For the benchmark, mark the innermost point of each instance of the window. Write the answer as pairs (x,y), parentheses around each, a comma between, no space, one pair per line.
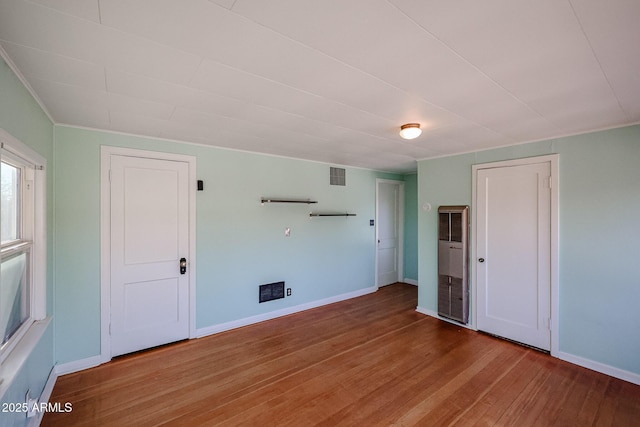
(10,202)
(22,235)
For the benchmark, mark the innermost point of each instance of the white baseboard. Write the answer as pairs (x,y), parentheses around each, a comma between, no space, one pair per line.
(90,362)
(435,314)
(214,329)
(410,281)
(78,365)
(48,387)
(576,360)
(601,367)
(44,397)
(426,311)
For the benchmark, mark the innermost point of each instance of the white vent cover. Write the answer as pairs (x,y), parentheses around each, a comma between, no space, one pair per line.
(337,176)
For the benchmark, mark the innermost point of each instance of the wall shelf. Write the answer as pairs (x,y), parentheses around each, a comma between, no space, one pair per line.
(331,214)
(278,200)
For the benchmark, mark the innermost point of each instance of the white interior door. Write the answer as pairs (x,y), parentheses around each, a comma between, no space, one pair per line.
(514,252)
(388,232)
(149,236)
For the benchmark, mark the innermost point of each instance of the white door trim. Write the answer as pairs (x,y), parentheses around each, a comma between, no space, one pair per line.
(553,160)
(400,185)
(105,237)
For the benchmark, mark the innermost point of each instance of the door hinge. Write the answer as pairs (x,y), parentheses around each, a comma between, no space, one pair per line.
(109,175)
(109,328)
(549,181)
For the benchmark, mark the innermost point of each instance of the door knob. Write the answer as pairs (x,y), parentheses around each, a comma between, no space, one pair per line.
(183,265)
(480,259)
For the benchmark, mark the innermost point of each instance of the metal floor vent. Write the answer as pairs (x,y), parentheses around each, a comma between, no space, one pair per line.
(337,176)
(271,291)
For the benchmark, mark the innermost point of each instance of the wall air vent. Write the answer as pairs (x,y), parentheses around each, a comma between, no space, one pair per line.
(337,176)
(271,291)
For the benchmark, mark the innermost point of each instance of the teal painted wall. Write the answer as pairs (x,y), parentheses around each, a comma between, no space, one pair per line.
(599,205)
(33,377)
(240,244)
(22,117)
(411,226)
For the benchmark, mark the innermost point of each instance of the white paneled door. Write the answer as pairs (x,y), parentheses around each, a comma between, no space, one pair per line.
(388,231)
(149,237)
(513,252)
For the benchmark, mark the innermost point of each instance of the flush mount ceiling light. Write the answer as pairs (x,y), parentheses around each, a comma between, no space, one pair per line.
(410,130)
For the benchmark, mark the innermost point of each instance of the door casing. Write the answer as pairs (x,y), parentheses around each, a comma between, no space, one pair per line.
(105,237)
(400,256)
(553,160)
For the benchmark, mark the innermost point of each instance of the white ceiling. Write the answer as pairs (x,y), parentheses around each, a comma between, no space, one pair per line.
(332,80)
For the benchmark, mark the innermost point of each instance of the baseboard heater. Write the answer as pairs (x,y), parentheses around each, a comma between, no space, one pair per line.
(271,291)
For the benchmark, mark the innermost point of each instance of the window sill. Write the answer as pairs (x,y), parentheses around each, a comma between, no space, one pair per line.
(16,359)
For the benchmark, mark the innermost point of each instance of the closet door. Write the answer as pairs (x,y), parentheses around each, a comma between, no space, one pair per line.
(513,252)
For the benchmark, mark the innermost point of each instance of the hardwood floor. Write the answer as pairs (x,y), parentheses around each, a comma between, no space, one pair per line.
(368,361)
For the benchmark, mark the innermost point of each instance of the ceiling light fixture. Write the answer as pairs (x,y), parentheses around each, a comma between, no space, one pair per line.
(410,130)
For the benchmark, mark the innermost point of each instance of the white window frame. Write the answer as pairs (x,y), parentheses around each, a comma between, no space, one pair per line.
(34,209)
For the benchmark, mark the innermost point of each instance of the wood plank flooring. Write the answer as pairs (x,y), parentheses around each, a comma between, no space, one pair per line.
(368,361)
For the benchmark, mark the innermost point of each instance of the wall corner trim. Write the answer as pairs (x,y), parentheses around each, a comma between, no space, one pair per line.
(14,68)
(222,327)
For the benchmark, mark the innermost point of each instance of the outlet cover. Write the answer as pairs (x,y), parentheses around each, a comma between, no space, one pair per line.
(32,405)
